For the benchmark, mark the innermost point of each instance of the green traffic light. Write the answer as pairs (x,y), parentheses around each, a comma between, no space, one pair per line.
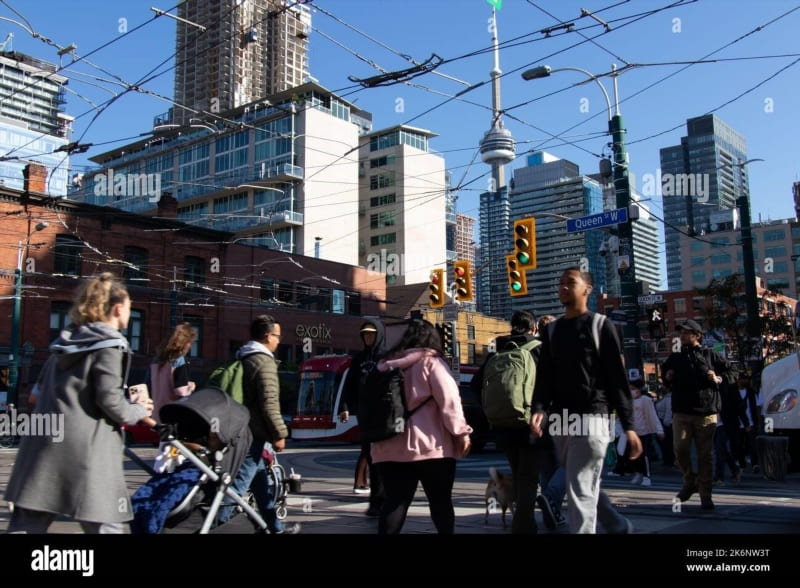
(523,257)
(516,286)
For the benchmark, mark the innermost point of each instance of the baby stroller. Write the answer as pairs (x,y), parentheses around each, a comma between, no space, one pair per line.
(211,432)
(278,481)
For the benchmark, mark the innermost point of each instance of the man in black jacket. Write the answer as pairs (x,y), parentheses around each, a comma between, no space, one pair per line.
(580,380)
(372,334)
(695,374)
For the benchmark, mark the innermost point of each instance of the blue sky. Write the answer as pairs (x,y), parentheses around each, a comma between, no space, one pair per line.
(755,95)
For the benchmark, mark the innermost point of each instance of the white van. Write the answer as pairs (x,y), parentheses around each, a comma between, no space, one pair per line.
(780,392)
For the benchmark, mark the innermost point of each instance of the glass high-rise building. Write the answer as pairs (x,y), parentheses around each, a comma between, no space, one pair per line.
(698,177)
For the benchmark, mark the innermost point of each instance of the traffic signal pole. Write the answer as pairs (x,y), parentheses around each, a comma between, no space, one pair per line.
(631,339)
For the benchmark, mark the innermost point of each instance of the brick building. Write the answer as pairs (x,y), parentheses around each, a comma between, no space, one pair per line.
(174,272)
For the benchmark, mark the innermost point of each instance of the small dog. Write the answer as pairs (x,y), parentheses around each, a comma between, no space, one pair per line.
(499,494)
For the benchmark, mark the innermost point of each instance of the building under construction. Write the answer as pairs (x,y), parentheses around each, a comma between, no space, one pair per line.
(230,53)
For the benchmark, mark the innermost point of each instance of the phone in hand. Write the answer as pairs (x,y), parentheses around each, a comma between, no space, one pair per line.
(138,392)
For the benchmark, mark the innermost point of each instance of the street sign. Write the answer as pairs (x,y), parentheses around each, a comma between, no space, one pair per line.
(650,299)
(450,312)
(597,221)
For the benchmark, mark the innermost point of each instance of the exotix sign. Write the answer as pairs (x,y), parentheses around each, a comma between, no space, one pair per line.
(317,332)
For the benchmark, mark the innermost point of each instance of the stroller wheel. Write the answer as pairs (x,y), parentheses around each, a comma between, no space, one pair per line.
(280,512)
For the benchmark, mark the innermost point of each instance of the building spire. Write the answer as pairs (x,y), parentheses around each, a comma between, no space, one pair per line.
(497,146)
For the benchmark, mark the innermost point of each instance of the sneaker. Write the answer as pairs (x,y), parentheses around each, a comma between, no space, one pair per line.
(614,475)
(361,490)
(706,503)
(290,529)
(685,493)
(548,512)
(373,511)
(637,479)
(720,482)
(646,481)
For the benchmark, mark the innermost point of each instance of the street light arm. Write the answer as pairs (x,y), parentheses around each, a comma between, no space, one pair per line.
(545,71)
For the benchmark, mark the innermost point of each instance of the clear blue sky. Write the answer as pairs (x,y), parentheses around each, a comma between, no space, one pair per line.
(652,102)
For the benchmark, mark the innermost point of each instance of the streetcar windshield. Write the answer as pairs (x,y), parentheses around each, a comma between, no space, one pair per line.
(317,393)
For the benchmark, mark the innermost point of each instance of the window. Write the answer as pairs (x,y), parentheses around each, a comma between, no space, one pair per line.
(381,161)
(194,272)
(382,219)
(285,291)
(382,200)
(134,331)
(59,317)
(383,239)
(679,305)
(136,268)
(470,332)
(67,255)
(354,303)
(197,325)
(383,180)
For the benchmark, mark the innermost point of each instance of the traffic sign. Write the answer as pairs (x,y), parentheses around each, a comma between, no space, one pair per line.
(597,221)
(650,299)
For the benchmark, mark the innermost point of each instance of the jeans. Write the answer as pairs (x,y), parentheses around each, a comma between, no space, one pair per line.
(255,476)
(552,478)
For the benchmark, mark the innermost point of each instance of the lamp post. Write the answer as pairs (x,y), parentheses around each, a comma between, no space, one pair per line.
(750,293)
(630,331)
(13,359)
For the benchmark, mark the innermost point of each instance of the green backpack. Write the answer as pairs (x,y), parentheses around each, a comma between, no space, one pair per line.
(508,379)
(230,378)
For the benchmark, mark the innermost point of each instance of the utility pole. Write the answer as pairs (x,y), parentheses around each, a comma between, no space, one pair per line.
(630,331)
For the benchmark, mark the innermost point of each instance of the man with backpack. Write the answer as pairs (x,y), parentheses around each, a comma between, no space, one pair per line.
(506,382)
(695,374)
(261,396)
(581,376)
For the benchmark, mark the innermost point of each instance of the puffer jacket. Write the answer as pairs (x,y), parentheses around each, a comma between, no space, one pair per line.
(433,430)
(262,392)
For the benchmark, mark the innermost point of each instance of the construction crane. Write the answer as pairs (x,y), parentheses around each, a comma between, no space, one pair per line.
(6,45)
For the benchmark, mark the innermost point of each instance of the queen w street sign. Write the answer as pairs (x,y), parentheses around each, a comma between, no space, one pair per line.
(597,221)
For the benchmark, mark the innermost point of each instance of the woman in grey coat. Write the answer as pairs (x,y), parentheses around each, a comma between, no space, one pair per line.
(75,468)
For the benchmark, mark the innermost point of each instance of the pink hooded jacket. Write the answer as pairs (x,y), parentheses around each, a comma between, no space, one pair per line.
(430,431)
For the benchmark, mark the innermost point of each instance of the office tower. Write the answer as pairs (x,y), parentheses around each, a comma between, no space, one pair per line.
(403,193)
(698,177)
(33,126)
(553,190)
(231,53)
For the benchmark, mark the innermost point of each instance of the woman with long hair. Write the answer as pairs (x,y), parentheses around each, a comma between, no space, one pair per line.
(433,438)
(75,467)
(169,372)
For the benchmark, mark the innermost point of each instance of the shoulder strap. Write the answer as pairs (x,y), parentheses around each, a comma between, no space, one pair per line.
(598,320)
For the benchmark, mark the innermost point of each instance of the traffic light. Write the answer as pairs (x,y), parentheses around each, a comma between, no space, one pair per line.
(517,284)
(447,339)
(525,242)
(437,288)
(463,279)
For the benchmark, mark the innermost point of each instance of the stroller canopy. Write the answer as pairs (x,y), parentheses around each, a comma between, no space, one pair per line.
(209,410)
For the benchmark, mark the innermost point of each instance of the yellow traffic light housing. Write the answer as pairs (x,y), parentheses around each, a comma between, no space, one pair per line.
(525,242)
(462,275)
(437,288)
(517,282)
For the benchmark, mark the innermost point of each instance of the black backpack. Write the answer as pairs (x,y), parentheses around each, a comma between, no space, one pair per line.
(382,411)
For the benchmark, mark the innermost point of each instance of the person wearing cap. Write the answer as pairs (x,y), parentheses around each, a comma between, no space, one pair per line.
(372,335)
(695,375)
